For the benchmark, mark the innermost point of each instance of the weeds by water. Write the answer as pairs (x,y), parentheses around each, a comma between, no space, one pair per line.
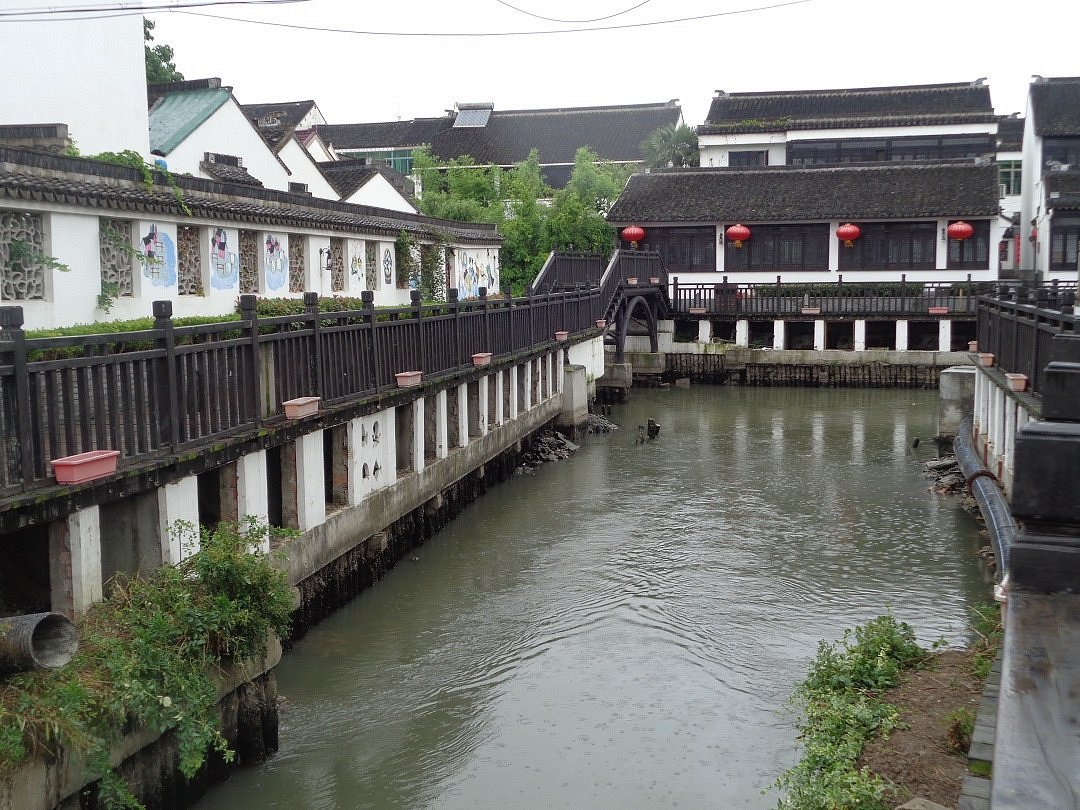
(987,634)
(841,709)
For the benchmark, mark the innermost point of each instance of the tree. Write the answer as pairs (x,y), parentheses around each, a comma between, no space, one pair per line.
(671,145)
(576,219)
(160,68)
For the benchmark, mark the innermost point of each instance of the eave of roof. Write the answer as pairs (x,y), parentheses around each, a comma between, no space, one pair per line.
(77,182)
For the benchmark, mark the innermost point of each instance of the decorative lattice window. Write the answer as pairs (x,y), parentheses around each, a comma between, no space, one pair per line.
(296,263)
(337,264)
(371,265)
(117,257)
(189,260)
(22,253)
(249,262)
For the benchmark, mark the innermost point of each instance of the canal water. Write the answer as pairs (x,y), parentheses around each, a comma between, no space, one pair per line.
(622,629)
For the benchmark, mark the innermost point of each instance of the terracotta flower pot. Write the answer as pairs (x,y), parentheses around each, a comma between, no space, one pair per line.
(85,466)
(631,279)
(986,359)
(481,359)
(811,310)
(601,323)
(561,336)
(697,310)
(300,407)
(407,379)
(938,310)
(973,345)
(654,279)
(1017,382)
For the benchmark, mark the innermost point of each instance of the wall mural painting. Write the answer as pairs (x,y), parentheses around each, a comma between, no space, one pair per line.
(275,262)
(159,252)
(476,271)
(224,263)
(388,266)
(356,261)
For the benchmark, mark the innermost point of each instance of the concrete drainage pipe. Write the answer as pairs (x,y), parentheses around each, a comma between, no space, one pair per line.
(36,641)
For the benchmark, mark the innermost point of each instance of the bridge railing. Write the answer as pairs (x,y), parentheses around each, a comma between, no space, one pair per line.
(568,270)
(830,298)
(173,388)
(1025,328)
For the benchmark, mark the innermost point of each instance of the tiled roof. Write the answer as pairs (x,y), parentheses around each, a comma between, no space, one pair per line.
(276,122)
(348,176)
(30,176)
(1055,107)
(1063,190)
(229,174)
(804,194)
(176,115)
(913,105)
(614,133)
(1010,133)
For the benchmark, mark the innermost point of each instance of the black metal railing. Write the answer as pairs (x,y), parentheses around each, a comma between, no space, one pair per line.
(171,388)
(1025,328)
(869,298)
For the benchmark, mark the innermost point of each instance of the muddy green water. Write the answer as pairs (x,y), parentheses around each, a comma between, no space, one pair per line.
(622,629)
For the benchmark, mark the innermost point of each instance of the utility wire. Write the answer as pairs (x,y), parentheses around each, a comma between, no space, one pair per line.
(482,34)
(575,22)
(126,10)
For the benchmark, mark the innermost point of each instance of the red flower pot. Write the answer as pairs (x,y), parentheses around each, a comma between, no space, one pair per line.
(85,466)
(300,407)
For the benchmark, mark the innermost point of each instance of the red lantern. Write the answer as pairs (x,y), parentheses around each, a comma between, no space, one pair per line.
(960,231)
(849,233)
(633,234)
(738,233)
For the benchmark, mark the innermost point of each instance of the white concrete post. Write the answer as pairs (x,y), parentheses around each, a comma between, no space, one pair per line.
(178,501)
(778,334)
(860,335)
(550,391)
(1010,441)
(999,422)
(742,333)
(388,447)
(463,414)
(528,367)
(251,494)
(84,539)
(355,465)
(482,405)
(513,393)
(819,335)
(500,388)
(704,331)
(442,425)
(560,363)
(944,335)
(418,434)
(834,248)
(310,481)
(901,336)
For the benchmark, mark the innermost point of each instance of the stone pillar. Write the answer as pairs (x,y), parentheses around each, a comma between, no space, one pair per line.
(500,395)
(442,428)
(998,428)
(819,335)
(860,335)
(956,398)
(778,334)
(944,335)
(573,416)
(463,414)
(482,405)
(357,457)
(178,501)
(528,371)
(513,393)
(75,561)
(742,333)
(901,336)
(560,363)
(418,434)
(388,451)
(1008,449)
(251,494)
(704,331)
(310,481)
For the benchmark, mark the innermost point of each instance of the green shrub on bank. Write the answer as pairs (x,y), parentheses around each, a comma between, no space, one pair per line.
(840,710)
(146,657)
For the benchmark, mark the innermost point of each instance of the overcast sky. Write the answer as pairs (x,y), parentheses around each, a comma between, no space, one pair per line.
(814,44)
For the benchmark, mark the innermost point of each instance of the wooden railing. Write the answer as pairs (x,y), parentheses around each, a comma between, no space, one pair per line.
(1026,328)
(170,388)
(829,298)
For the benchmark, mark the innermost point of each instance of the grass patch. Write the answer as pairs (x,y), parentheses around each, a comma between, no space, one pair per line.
(841,709)
(987,634)
(146,656)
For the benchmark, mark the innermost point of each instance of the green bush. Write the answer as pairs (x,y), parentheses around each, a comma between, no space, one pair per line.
(146,657)
(840,710)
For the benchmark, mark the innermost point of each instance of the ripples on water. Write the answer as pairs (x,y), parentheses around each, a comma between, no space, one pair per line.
(622,629)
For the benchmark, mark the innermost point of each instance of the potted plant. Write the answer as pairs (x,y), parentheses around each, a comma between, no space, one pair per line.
(300,407)
(407,379)
(85,466)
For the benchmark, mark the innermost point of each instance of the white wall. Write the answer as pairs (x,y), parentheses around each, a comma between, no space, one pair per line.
(59,72)
(379,192)
(304,171)
(1031,196)
(229,132)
